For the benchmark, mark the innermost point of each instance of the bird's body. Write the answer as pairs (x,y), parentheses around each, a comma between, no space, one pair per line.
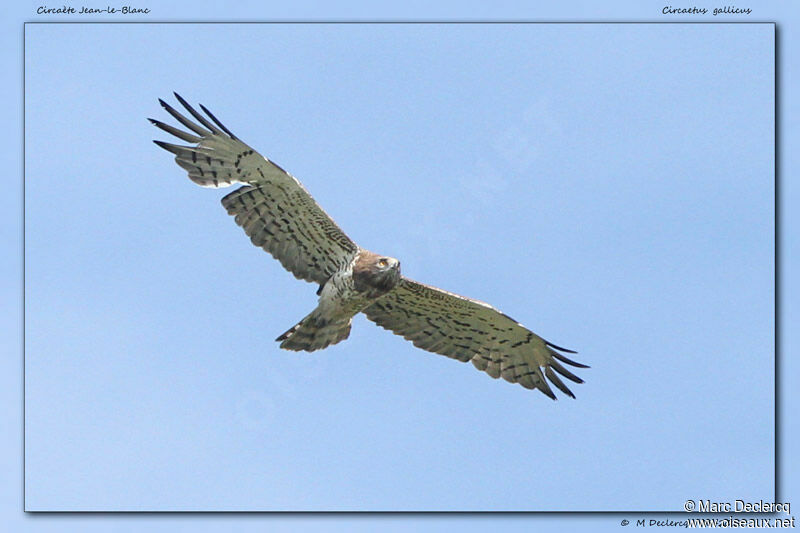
(280,216)
(347,293)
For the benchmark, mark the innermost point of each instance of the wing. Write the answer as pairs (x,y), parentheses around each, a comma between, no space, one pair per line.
(469,330)
(273,208)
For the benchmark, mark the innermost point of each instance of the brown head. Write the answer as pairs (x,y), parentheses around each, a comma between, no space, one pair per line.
(375,274)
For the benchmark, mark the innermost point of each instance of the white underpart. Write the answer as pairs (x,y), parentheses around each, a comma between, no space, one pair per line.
(339,300)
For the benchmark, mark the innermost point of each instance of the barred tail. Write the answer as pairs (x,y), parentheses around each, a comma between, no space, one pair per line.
(314,332)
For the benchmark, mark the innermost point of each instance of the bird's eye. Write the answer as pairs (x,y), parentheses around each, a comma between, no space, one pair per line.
(382,262)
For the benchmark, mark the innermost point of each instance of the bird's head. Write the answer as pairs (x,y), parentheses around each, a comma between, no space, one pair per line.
(386,272)
(376,274)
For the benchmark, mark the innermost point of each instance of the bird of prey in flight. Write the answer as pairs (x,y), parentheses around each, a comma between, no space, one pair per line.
(280,216)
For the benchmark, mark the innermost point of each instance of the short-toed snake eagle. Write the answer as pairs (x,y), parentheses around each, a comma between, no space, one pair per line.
(280,216)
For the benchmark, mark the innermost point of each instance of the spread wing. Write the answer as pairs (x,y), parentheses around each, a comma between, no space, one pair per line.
(469,330)
(273,208)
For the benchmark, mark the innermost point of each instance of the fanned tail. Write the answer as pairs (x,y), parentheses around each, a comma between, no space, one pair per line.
(314,332)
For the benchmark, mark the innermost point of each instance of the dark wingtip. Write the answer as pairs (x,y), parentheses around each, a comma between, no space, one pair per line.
(181,100)
(568,393)
(574,363)
(218,123)
(168,147)
(555,380)
(569,361)
(557,347)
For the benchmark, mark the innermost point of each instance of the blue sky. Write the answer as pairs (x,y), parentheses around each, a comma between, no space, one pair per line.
(610,186)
